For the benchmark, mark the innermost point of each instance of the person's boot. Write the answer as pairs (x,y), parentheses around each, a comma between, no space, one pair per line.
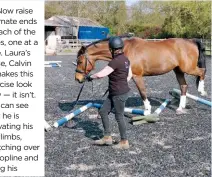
(123,144)
(106,140)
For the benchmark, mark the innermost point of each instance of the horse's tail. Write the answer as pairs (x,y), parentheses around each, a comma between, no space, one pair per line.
(201,59)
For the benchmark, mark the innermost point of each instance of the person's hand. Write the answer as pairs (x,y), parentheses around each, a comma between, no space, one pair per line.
(89,78)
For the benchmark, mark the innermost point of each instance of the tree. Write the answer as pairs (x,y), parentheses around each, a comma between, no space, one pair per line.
(149,19)
(112,14)
(61,8)
(187,19)
(146,19)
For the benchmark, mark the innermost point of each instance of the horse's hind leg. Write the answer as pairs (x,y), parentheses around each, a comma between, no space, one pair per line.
(142,90)
(200,81)
(200,73)
(183,87)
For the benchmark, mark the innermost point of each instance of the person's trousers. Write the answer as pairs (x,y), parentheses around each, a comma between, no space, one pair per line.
(118,103)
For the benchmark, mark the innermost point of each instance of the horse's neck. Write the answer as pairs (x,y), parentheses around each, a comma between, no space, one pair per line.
(100,53)
(103,55)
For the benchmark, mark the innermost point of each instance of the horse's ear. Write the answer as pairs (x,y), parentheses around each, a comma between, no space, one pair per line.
(83,47)
(81,50)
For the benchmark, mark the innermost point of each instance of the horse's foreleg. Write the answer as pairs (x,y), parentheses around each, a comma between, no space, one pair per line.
(142,90)
(183,87)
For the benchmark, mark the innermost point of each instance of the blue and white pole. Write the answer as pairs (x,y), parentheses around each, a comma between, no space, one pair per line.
(52,64)
(152,117)
(74,63)
(197,99)
(127,110)
(47,127)
(73,114)
(47,62)
(162,106)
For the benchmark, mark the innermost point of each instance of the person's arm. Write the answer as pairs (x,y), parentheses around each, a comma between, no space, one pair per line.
(129,74)
(104,72)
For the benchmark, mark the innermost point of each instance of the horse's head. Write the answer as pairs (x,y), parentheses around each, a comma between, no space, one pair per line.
(85,63)
(87,56)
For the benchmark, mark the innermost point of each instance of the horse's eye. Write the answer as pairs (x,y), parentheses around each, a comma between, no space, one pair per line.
(79,62)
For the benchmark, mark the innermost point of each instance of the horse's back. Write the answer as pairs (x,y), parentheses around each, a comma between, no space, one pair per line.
(159,57)
(172,46)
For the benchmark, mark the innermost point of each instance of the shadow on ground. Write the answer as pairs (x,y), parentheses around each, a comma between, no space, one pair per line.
(90,128)
(131,102)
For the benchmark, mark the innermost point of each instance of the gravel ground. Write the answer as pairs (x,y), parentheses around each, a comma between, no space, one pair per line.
(175,146)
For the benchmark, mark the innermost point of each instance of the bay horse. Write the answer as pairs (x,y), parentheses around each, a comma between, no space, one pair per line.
(150,58)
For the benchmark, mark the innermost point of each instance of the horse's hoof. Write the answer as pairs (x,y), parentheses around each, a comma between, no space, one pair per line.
(181,111)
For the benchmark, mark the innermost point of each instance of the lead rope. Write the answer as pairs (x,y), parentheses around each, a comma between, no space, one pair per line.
(79,95)
(105,93)
(86,63)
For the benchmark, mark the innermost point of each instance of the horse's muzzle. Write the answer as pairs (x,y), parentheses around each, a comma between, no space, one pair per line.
(79,77)
(79,80)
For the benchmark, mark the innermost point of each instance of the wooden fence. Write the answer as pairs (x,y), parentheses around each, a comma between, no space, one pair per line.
(206,42)
(68,45)
(75,44)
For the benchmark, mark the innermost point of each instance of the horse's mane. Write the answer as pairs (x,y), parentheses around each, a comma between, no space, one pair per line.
(83,48)
(106,39)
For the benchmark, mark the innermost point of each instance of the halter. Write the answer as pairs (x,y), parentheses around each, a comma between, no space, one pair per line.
(85,74)
(86,64)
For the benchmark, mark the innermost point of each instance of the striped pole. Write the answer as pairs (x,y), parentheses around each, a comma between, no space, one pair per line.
(162,106)
(73,114)
(200,100)
(47,62)
(74,63)
(128,110)
(52,64)
(47,127)
(152,117)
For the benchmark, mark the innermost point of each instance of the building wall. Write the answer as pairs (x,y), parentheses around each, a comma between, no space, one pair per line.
(71,30)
